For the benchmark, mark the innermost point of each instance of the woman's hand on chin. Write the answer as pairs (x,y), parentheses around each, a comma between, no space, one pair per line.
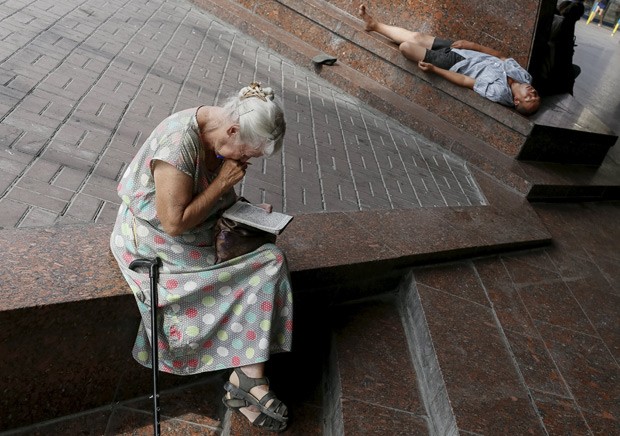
(231,172)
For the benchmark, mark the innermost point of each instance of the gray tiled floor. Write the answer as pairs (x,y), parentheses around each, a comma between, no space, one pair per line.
(83,84)
(598,86)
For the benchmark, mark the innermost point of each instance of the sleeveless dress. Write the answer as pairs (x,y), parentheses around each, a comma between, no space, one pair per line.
(210,317)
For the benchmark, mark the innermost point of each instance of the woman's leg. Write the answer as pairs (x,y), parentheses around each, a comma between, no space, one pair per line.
(256,370)
(396,34)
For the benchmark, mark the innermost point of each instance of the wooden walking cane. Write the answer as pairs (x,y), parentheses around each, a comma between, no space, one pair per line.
(153,266)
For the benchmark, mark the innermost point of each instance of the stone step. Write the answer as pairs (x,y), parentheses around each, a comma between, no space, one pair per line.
(557,133)
(468,371)
(568,183)
(338,33)
(566,132)
(186,407)
(449,136)
(354,72)
(188,404)
(371,385)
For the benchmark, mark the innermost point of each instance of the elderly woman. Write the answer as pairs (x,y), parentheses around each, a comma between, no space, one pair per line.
(212,316)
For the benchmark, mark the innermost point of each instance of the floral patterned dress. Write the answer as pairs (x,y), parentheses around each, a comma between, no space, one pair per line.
(210,317)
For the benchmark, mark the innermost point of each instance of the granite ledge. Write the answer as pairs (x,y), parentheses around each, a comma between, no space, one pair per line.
(44,266)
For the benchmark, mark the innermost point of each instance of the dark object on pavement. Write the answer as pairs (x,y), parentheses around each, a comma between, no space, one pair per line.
(324,59)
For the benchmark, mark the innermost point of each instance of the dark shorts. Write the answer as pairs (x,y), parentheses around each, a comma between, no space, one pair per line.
(441,54)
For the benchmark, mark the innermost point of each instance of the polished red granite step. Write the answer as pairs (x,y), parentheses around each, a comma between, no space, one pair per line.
(527,342)
(371,384)
(186,407)
(368,68)
(374,71)
(469,374)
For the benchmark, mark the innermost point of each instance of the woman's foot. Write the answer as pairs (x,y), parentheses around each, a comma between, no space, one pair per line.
(255,401)
(259,392)
(371,23)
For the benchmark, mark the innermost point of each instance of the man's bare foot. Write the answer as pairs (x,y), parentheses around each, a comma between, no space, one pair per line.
(371,23)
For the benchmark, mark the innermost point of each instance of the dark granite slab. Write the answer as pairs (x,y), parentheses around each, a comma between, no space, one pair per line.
(563,111)
(94,422)
(375,377)
(62,361)
(588,369)
(547,336)
(360,418)
(45,261)
(567,132)
(42,259)
(485,391)
(506,26)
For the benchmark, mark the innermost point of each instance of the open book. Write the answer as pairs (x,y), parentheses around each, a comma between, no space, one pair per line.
(255,216)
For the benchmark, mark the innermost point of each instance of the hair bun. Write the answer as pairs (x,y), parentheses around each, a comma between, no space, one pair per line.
(255,90)
(268,93)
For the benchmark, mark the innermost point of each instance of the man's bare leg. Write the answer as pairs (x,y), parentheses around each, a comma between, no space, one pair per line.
(412,51)
(396,34)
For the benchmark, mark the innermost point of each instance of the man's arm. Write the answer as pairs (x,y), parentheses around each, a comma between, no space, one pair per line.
(456,78)
(468,45)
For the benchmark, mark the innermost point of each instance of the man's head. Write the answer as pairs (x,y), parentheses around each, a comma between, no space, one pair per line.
(525,97)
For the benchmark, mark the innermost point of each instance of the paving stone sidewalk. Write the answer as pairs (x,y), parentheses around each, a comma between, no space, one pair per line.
(83,83)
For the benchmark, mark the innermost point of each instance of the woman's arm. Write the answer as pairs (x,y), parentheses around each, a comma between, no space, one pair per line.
(456,78)
(177,207)
(468,45)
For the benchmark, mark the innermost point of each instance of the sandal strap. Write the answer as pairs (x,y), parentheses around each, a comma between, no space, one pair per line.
(267,423)
(268,396)
(276,410)
(246,383)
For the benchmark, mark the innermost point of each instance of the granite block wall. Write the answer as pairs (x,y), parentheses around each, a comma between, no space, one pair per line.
(506,25)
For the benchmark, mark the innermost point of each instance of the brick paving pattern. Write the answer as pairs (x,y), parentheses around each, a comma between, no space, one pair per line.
(83,83)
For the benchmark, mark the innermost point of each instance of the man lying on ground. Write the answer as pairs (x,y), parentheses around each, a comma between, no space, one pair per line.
(464,63)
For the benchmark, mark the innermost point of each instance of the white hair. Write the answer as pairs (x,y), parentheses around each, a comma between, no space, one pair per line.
(260,118)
